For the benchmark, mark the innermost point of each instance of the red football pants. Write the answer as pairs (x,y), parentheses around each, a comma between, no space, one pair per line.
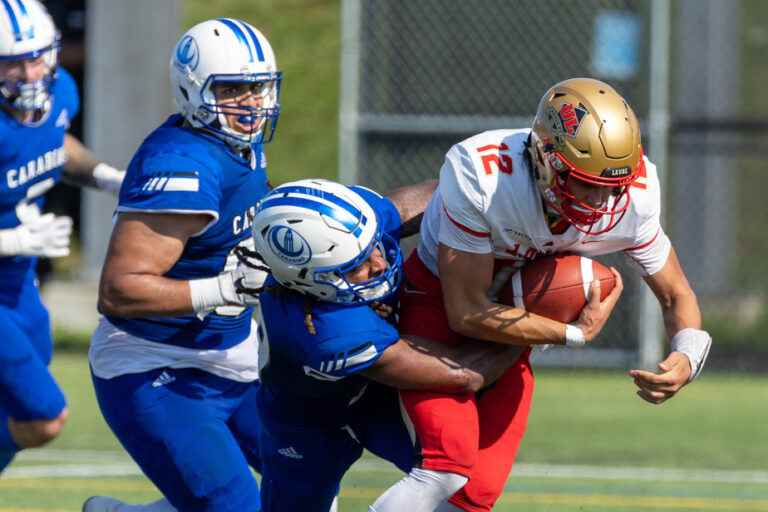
(475,435)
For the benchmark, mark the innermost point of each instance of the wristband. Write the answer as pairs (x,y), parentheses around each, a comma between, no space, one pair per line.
(695,344)
(108,178)
(574,336)
(205,294)
(10,245)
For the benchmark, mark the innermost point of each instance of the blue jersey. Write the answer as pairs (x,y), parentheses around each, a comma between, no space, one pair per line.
(310,379)
(31,160)
(182,170)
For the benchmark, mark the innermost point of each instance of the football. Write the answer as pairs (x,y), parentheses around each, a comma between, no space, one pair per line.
(557,286)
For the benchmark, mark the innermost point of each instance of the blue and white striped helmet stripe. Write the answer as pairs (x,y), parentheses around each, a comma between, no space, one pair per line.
(331,198)
(251,43)
(18,35)
(255,40)
(339,215)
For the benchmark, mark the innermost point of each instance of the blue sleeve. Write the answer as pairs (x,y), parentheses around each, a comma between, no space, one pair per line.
(385,209)
(67,90)
(170,182)
(364,338)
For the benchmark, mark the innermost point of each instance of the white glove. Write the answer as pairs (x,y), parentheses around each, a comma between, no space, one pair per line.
(240,287)
(47,235)
(108,178)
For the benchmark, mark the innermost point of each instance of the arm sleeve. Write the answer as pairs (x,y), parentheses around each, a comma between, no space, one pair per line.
(651,246)
(170,183)
(463,225)
(354,350)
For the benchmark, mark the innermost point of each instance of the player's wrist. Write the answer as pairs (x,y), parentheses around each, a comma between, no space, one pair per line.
(10,242)
(574,336)
(206,294)
(108,178)
(695,344)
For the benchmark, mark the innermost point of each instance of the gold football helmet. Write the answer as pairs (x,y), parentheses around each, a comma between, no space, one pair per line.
(584,130)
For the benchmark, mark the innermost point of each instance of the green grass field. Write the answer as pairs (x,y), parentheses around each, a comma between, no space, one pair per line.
(592,445)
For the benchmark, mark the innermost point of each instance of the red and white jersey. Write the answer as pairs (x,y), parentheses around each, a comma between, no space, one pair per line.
(488,202)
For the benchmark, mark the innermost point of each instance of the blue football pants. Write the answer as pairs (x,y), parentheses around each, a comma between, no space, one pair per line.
(302,467)
(193,434)
(27,389)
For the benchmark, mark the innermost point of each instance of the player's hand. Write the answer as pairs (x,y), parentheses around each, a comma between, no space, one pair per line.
(674,373)
(596,313)
(47,235)
(242,286)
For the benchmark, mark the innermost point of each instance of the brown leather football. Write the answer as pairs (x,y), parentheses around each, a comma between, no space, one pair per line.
(557,286)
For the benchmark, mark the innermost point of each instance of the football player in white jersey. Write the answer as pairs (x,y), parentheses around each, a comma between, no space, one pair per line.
(578,182)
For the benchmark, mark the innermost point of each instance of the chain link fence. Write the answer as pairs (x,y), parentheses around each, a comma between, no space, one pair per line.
(420,76)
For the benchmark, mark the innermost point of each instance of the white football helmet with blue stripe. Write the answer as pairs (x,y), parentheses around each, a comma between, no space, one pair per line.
(227,51)
(27,32)
(311,233)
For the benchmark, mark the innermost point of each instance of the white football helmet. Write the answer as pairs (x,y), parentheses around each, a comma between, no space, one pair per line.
(226,51)
(27,32)
(311,233)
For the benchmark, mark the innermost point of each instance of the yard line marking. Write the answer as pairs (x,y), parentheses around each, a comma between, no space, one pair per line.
(612,473)
(103,463)
(638,502)
(53,454)
(640,473)
(588,501)
(72,470)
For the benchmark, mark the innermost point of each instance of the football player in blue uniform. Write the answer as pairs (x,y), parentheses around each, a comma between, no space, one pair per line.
(329,358)
(175,357)
(37,101)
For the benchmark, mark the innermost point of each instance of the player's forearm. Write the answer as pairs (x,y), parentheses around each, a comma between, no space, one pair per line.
(85,170)
(484,362)
(78,170)
(426,367)
(490,321)
(140,295)
(411,201)
(681,311)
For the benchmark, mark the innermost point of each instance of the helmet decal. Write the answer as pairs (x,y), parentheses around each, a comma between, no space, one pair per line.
(187,53)
(20,34)
(566,121)
(251,43)
(289,245)
(342,216)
